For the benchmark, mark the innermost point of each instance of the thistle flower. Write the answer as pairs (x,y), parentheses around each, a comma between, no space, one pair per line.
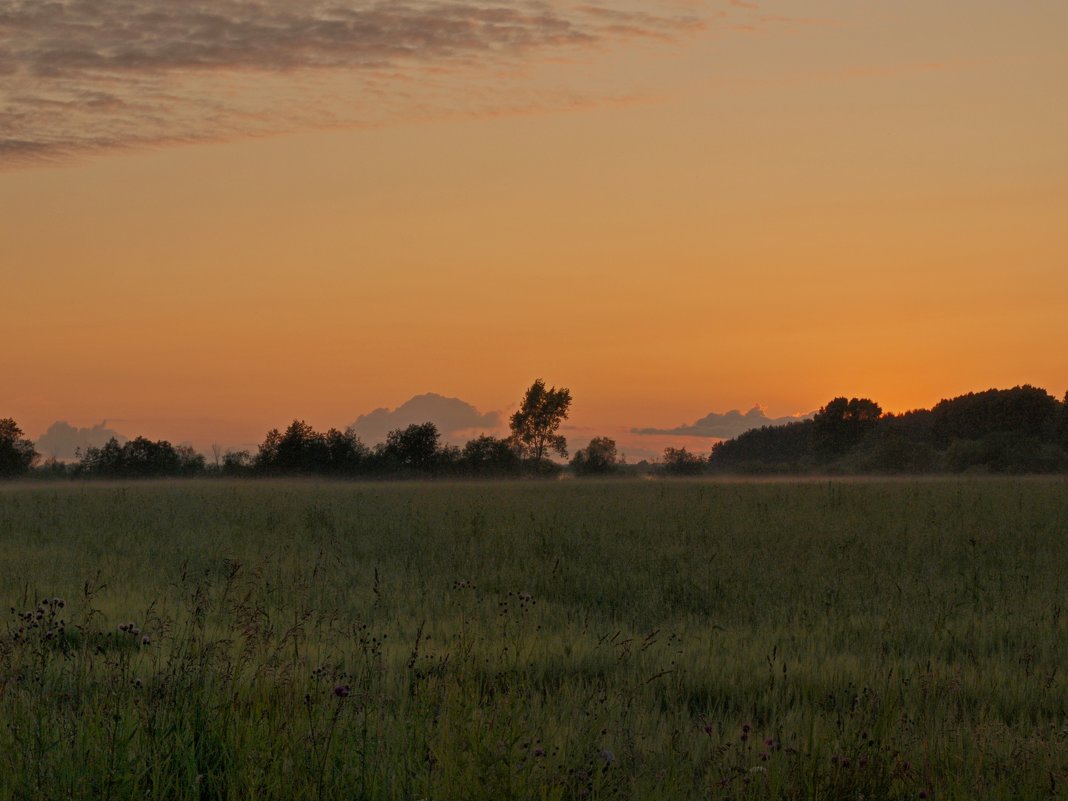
(341,691)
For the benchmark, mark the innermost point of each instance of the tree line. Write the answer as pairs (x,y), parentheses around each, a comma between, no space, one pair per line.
(1019,430)
(300,450)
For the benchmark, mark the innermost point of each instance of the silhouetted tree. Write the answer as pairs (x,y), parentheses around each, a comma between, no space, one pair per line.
(1064,422)
(680,462)
(236,463)
(17,453)
(535,425)
(346,455)
(300,449)
(105,461)
(488,455)
(190,463)
(139,458)
(598,458)
(842,424)
(1025,411)
(785,448)
(414,447)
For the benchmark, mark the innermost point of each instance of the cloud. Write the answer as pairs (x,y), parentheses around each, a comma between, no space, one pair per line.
(457,420)
(724,425)
(62,440)
(90,75)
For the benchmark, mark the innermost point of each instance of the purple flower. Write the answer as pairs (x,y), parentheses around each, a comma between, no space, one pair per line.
(341,691)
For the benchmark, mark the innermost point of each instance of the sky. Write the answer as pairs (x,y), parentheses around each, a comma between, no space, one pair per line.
(216,217)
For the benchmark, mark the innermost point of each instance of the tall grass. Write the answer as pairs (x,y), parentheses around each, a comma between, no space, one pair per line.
(812,640)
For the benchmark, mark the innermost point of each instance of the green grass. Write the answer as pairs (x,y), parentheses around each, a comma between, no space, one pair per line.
(566,640)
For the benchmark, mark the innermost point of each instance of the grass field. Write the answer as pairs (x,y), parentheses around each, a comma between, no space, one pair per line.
(565,640)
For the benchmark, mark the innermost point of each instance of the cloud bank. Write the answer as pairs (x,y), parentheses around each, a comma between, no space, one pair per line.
(724,425)
(457,420)
(63,441)
(85,75)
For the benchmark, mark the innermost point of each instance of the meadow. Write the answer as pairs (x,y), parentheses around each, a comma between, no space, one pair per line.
(842,639)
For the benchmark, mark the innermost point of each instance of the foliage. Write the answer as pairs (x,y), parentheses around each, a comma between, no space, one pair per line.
(600,457)
(416,447)
(237,463)
(490,456)
(1026,412)
(1019,430)
(784,448)
(301,450)
(843,423)
(680,462)
(536,423)
(139,458)
(17,454)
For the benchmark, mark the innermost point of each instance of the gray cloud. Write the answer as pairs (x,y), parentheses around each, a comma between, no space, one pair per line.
(724,425)
(62,440)
(86,75)
(457,420)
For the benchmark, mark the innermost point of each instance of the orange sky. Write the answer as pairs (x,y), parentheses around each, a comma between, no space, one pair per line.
(690,207)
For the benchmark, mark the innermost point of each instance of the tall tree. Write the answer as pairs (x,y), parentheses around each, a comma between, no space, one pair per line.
(535,425)
(17,453)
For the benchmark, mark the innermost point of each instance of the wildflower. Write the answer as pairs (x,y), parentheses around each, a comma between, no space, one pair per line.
(341,691)
(764,755)
(145,640)
(539,752)
(608,757)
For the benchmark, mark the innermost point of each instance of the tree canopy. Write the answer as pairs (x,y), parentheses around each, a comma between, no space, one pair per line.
(17,453)
(535,425)
(600,457)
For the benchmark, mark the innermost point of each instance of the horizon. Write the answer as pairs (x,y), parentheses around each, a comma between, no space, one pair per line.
(457,421)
